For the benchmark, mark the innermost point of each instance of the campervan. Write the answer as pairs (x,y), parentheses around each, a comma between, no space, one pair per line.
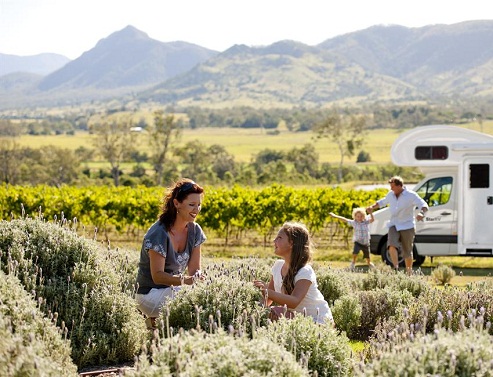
(458,187)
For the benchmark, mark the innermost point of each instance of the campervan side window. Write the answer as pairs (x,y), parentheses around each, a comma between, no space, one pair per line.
(479,176)
(436,191)
(431,152)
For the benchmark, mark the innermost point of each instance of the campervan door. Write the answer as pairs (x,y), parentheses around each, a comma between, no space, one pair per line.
(477,207)
(437,234)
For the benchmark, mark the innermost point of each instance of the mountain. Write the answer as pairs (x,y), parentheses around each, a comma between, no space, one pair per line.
(41,64)
(375,65)
(440,59)
(282,74)
(378,64)
(126,59)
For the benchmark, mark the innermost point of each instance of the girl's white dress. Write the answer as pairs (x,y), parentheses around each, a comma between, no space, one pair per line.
(314,302)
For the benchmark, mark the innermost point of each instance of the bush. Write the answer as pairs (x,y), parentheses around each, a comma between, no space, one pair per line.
(197,354)
(359,313)
(328,353)
(347,315)
(79,280)
(221,300)
(448,305)
(363,157)
(31,344)
(334,284)
(380,278)
(442,274)
(442,353)
(378,305)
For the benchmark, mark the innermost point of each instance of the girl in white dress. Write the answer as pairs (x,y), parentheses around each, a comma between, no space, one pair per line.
(293,284)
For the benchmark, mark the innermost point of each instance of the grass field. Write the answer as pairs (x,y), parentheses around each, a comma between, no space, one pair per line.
(244,143)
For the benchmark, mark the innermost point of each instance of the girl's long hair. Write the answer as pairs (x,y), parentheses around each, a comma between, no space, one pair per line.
(179,191)
(301,252)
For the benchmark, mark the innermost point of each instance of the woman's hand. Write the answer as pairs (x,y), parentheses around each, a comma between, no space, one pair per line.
(198,275)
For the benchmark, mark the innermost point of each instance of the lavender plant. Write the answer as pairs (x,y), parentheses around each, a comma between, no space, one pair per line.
(198,353)
(407,350)
(443,274)
(226,297)
(32,345)
(456,302)
(74,277)
(334,284)
(385,277)
(321,347)
(347,315)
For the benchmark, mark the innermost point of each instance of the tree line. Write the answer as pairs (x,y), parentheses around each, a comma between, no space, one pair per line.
(162,161)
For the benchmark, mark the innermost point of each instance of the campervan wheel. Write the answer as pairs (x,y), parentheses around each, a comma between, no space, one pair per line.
(384,252)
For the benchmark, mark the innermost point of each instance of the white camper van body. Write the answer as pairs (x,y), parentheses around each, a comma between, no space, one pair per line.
(458,187)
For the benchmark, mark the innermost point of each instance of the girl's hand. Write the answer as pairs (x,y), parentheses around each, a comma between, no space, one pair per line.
(260,284)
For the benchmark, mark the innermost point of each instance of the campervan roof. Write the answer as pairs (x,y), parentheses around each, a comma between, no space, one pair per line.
(438,145)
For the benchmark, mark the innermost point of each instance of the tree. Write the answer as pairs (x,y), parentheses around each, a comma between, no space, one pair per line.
(363,157)
(304,159)
(7,128)
(114,142)
(196,158)
(266,156)
(9,161)
(61,165)
(346,131)
(222,161)
(161,134)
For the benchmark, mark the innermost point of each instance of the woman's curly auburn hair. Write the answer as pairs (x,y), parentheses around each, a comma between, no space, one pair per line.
(179,191)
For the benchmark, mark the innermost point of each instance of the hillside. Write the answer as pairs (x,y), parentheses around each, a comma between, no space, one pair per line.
(439,60)
(380,64)
(284,74)
(128,58)
(41,64)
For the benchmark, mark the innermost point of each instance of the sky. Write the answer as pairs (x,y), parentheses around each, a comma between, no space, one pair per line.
(71,27)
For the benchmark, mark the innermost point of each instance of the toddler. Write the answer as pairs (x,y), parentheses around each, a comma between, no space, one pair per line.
(361,234)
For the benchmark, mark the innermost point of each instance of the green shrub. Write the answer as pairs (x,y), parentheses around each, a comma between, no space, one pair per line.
(328,352)
(378,305)
(448,305)
(358,314)
(347,315)
(385,277)
(442,274)
(221,300)
(406,352)
(31,343)
(333,284)
(82,282)
(197,354)
(245,269)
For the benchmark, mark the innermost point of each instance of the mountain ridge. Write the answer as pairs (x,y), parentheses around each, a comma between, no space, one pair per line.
(379,64)
(41,64)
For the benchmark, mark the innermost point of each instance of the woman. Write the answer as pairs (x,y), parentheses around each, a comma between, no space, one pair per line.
(170,246)
(293,283)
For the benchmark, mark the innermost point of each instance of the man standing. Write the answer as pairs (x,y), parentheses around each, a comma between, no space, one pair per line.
(402,203)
